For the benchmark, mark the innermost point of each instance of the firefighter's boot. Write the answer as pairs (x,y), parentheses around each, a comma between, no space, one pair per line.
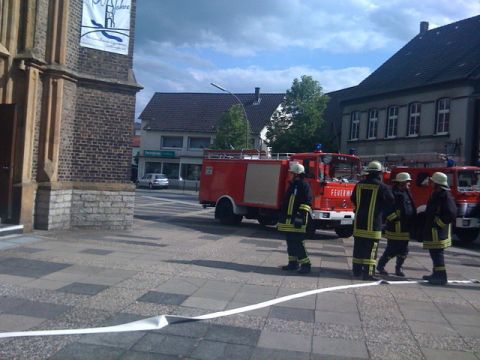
(291,266)
(305,269)
(439,278)
(368,273)
(398,267)
(357,270)
(428,277)
(381,265)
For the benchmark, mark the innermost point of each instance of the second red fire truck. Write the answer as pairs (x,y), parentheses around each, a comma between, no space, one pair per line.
(252,184)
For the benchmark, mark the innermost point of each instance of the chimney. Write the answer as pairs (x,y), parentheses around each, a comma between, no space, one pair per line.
(257,96)
(423,27)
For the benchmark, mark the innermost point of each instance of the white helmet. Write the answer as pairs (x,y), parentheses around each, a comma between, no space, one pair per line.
(374,166)
(402,177)
(296,168)
(441,179)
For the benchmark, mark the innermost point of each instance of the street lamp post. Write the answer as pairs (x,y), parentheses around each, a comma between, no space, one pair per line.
(243,108)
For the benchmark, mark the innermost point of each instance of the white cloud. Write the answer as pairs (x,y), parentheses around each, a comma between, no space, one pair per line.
(247,27)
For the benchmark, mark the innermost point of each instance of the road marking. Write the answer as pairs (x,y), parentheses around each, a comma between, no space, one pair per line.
(172,201)
(160,321)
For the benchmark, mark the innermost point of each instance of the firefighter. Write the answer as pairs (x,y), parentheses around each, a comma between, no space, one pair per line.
(370,197)
(440,213)
(400,225)
(293,220)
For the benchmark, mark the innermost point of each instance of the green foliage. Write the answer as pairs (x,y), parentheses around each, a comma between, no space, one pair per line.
(299,125)
(231,130)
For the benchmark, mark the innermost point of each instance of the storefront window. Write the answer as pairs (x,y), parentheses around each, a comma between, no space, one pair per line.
(191,171)
(171,170)
(153,167)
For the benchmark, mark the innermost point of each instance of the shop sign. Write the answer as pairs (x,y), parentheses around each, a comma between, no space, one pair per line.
(159,153)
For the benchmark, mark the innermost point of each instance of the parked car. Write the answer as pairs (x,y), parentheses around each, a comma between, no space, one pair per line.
(153,181)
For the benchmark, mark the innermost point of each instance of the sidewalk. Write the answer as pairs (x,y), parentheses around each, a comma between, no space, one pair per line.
(192,266)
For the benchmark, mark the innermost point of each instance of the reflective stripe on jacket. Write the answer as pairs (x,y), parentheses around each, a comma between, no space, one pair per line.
(400,218)
(296,205)
(440,213)
(370,197)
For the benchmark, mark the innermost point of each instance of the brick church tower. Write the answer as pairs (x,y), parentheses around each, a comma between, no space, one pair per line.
(67,103)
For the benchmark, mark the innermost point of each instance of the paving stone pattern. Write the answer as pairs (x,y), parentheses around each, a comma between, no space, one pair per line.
(179,261)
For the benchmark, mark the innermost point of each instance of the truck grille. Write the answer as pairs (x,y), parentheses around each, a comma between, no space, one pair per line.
(334,203)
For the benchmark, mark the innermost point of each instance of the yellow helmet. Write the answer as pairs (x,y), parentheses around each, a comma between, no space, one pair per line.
(296,168)
(374,166)
(402,177)
(441,179)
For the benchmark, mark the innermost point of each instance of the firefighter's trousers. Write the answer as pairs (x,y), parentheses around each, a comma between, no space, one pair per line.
(364,255)
(398,248)
(437,259)
(296,248)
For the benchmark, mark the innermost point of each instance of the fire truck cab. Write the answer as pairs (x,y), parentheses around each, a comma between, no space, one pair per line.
(464,184)
(252,185)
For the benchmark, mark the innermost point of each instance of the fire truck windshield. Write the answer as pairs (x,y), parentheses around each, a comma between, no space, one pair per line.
(339,168)
(468,180)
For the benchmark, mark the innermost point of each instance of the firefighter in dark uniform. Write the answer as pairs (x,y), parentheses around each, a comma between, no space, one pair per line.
(293,220)
(437,235)
(370,197)
(400,225)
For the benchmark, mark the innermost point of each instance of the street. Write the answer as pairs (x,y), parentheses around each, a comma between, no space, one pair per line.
(179,260)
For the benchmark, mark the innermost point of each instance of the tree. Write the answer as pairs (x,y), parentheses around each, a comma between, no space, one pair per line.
(299,124)
(231,130)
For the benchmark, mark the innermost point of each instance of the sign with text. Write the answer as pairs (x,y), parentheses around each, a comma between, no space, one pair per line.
(106,25)
(159,153)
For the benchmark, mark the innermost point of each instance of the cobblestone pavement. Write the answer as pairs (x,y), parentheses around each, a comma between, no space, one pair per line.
(178,260)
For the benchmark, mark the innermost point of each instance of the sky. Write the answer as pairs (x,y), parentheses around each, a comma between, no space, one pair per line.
(184,45)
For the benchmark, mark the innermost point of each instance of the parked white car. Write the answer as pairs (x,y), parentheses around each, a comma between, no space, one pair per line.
(153,181)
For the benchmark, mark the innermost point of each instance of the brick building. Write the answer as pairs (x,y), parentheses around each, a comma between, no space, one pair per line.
(67,101)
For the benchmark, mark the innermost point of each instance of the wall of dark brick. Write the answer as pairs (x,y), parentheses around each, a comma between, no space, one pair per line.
(102,134)
(67,137)
(41,28)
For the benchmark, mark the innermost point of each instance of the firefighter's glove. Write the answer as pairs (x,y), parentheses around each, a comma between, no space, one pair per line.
(298,221)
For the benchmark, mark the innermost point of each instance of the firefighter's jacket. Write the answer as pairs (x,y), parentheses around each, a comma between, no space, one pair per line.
(296,207)
(370,198)
(401,216)
(440,213)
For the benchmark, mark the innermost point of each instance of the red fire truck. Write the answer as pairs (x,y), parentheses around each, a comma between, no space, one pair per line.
(252,184)
(465,187)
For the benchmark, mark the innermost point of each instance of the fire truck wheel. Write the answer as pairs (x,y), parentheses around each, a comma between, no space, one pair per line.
(344,231)
(224,213)
(467,235)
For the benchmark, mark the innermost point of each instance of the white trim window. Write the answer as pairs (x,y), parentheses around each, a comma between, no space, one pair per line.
(443,116)
(414,112)
(172,142)
(372,124)
(198,143)
(392,121)
(354,125)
